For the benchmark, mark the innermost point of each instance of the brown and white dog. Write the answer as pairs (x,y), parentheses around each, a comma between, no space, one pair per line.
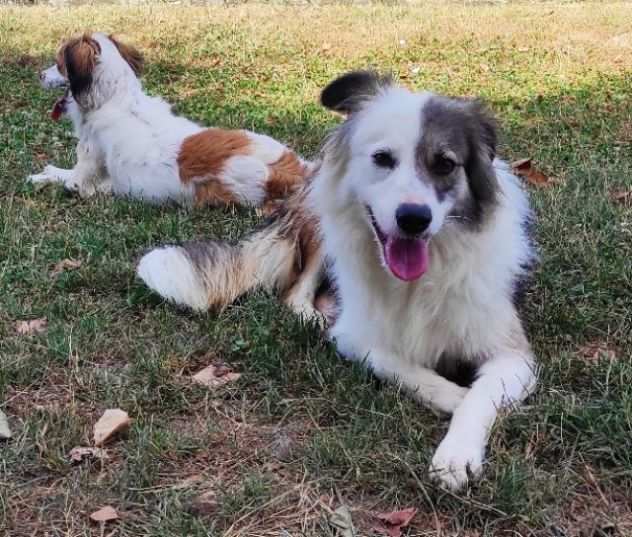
(425,235)
(132,144)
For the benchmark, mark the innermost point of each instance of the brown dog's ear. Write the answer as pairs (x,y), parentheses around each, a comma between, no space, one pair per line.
(130,54)
(349,92)
(80,59)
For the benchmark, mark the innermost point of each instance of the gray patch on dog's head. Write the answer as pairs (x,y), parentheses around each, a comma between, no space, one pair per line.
(463,130)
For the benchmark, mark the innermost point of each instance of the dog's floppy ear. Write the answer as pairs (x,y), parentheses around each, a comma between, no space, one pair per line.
(482,140)
(80,59)
(130,54)
(347,93)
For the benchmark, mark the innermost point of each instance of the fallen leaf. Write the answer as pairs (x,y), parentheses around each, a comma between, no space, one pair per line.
(104,514)
(597,350)
(205,504)
(63,265)
(215,375)
(623,197)
(282,446)
(77,454)
(113,421)
(524,168)
(5,431)
(341,520)
(391,524)
(27,328)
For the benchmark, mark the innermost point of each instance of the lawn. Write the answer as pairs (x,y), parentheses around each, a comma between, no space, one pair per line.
(302,432)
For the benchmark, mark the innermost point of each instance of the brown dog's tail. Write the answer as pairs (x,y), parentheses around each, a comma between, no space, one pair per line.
(212,274)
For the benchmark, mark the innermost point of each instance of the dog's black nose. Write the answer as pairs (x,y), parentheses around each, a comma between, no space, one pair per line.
(41,75)
(413,219)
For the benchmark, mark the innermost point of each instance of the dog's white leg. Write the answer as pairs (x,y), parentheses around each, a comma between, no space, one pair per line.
(84,178)
(506,378)
(424,384)
(51,174)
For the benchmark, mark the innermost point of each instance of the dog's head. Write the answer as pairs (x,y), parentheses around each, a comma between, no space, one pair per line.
(85,61)
(412,164)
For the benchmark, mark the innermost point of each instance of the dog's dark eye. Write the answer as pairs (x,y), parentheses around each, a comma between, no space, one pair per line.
(384,159)
(443,165)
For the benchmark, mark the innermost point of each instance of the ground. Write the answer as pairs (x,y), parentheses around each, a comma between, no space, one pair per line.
(302,432)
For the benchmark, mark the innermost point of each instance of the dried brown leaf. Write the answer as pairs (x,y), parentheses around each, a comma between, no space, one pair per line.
(215,375)
(34,326)
(391,523)
(342,521)
(204,505)
(622,197)
(64,265)
(597,350)
(105,514)
(78,454)
(525,169)
(113,421)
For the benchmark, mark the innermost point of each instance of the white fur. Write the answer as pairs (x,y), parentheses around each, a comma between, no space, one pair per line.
(462,305)
(52,78)
(246,176)
(169,272)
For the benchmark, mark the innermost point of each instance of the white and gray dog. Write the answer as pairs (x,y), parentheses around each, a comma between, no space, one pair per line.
(423,233)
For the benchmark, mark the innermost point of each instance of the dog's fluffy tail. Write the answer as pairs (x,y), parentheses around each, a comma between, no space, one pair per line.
(212,274)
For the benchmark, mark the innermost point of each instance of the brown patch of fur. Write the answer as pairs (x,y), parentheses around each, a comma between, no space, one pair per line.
(203,155)
(130,54)
(213,192)
(77,59)
(286,174)
(299,226)
(59,59)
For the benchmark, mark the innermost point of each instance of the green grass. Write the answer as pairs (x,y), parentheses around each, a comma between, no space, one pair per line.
(558,76)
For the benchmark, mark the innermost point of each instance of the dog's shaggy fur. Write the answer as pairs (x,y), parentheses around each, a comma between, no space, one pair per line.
(425,236)
(132,144)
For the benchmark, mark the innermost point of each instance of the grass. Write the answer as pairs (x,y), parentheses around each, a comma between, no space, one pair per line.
(303,432)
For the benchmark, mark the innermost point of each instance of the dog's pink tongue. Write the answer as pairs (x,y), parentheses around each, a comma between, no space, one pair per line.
(407,258)
(58,108)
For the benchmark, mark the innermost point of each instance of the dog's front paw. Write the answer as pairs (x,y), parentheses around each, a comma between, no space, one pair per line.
(455,461)
(40,178)
(449,398)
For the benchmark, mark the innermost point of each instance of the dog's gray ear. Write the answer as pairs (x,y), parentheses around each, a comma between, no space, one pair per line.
(485,127)
(349,92)
(482,140)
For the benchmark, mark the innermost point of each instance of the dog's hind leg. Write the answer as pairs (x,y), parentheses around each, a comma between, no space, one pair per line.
(504,379)
(301,297)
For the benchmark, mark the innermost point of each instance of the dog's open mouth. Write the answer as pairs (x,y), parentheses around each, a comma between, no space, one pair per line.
(59,108)
(407,258)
